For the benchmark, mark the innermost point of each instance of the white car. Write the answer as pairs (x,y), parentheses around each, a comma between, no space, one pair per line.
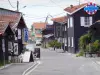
(38,42)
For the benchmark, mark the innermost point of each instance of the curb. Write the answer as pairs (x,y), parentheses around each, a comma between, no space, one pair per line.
(27,70)
(5,66)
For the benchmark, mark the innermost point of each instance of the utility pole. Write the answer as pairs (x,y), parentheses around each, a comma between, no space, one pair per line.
(17,5)
(79,2)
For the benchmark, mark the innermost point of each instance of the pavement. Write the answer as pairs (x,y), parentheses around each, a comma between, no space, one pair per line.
(55,63)
(15,69)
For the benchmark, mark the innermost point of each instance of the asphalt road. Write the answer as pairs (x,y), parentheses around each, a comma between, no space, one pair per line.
(53,63)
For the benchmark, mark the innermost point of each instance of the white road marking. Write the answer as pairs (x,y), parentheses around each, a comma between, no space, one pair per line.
(39,62)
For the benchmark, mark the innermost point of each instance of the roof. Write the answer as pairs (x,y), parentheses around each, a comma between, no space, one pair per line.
(60,19)
(40,25)
(38,35)
(3,26)
(10,16)
(72,9)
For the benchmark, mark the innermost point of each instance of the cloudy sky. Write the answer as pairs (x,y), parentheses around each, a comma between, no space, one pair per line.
(37,10)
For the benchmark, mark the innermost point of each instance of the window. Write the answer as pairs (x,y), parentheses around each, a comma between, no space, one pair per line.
(68,41)
(86,21)
(72,42)
(71,21)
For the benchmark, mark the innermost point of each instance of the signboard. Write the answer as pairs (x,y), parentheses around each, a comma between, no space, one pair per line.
(25,34)
(19,33)
(28,56)
(16,34)
(91,8)
(16,48)
(3,45)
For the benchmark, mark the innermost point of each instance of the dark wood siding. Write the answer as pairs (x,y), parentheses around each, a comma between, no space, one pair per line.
(80,30)
(70,35)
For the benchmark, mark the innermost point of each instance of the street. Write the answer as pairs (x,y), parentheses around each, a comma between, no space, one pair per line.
(53,63)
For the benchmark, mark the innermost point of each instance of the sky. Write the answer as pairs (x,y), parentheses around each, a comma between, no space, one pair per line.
(37,10)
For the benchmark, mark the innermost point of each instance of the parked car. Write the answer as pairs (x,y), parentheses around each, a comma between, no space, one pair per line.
(38,42)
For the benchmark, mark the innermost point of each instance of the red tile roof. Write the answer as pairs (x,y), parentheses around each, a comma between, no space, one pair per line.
(40,25)
(10,16)
(38,35)
(3,26)
(60,19)
(72,8)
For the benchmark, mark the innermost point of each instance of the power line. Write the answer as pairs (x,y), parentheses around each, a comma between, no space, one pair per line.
(55,3)
(42,17)
(11,4)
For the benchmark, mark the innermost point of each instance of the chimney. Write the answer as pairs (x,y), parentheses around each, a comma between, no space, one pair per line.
(71,6)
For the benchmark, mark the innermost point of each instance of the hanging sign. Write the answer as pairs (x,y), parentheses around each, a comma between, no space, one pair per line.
(16,48)
(3,45)
(91,8)
(25,34)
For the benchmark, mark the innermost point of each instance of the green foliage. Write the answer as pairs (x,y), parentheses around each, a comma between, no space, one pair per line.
(58,45)
(54,43)
(81,53)
(95,46)
(83,41)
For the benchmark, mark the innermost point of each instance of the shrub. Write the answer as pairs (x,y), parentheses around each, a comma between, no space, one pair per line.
(58,45)
(81,53)
(55,43)
(95,46)
(52,43)
(84,41)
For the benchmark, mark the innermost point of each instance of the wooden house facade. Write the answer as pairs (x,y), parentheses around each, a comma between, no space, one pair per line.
(18,26)
(78,24)
(60,30)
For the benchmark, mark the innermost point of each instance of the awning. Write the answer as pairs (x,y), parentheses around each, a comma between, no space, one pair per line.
(48,35)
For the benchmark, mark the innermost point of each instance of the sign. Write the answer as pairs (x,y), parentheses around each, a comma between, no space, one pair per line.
(19,33)
(16,34)
(16,48)
(91,8)
(3,45)
(25,34)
